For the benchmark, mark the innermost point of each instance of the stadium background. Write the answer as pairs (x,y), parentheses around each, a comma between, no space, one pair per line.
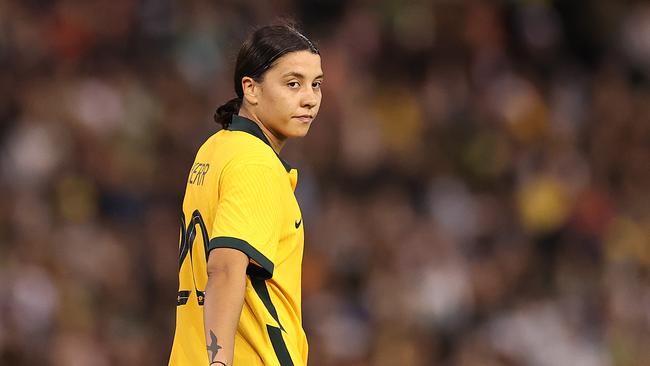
(475,190)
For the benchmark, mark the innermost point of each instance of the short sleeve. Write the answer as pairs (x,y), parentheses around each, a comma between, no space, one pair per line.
(248,215)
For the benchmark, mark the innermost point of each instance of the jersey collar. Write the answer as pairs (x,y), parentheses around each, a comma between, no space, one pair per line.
(244,124)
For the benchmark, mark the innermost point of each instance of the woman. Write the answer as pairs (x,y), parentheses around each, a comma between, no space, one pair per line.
(242,233)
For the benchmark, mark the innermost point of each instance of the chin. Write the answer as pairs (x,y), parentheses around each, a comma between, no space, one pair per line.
(299,131)
(299,134)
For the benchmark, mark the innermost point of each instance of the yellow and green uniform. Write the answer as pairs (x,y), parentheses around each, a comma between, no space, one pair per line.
(240,195)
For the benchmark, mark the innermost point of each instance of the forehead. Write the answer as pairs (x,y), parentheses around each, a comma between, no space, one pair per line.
(300,62)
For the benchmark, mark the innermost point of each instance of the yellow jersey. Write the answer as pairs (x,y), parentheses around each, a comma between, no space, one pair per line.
(240,194)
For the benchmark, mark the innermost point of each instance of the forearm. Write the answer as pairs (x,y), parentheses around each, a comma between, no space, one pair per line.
(224,297)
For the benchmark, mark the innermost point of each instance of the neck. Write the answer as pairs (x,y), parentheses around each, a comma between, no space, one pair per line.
(277,142)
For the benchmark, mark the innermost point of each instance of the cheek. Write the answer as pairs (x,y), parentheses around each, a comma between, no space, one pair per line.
(286,104)
(278,107)
(278,100)
(320,99)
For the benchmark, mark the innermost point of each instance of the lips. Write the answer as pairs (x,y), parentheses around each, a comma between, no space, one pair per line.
(304,118)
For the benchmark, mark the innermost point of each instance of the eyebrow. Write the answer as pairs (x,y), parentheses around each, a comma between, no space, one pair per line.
(299,75)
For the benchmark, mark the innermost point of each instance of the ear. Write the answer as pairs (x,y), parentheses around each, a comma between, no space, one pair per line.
(251,89)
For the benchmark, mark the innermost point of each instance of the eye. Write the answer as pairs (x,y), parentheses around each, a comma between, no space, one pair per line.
(293,84)
(316,84)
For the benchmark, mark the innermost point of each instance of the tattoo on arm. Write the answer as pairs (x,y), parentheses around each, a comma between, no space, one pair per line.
(214,348)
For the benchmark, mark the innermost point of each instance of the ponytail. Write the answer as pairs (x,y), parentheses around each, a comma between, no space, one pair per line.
(224,114)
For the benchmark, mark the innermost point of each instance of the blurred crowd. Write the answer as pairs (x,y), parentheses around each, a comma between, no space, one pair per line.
(475,190)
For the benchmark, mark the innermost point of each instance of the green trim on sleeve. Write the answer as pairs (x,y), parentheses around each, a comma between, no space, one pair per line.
(265,272)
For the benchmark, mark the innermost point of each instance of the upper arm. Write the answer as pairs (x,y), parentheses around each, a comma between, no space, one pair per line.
(227,260)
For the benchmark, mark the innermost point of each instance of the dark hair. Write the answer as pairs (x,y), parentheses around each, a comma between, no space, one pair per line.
(257,54)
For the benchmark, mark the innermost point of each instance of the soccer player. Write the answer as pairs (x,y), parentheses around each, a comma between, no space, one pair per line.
(241,241)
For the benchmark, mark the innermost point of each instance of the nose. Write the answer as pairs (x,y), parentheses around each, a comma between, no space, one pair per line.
(309,98)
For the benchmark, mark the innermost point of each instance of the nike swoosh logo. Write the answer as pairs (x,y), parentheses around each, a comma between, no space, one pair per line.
(298,222)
